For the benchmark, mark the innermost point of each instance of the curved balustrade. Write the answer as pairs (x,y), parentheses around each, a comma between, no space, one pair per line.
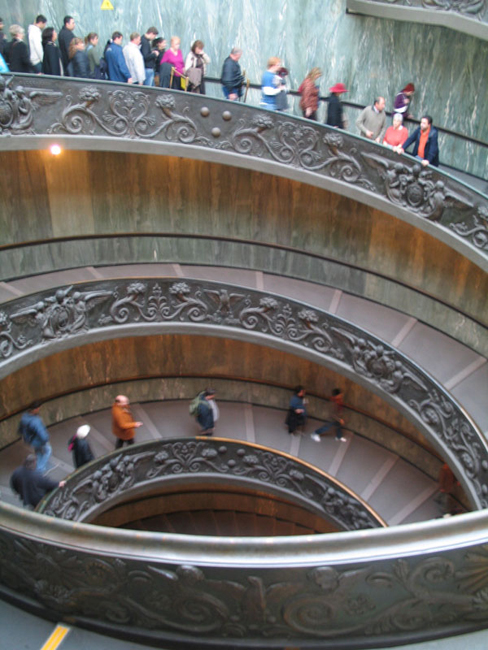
(374,587)
(468,16)
(118,477)
(48,322)
(102,115)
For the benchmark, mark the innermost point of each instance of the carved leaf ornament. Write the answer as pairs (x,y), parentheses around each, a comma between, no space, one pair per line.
(105,480)
(180,118)
(44,319)
(386,597)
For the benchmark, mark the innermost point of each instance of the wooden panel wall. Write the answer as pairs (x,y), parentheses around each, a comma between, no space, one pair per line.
(82,193)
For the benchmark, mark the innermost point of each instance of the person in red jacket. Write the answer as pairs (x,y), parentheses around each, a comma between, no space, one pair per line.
(336,420)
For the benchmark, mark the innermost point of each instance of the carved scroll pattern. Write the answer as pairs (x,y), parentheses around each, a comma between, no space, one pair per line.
(47,318)
(104,480)
(99,110)
(374,600)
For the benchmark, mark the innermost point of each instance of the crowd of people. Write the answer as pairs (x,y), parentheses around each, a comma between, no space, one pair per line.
(146,60)
(30,480)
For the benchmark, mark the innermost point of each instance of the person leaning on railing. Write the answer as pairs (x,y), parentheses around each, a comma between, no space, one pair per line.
(396,134)
(425,143)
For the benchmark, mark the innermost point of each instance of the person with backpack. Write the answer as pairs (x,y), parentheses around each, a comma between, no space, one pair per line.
(34,433)
(80,447)
(206,411)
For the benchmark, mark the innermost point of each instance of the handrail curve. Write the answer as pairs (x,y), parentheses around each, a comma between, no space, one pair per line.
(378,586)
(55,320)
(468,16)
(120,475)
(104,115)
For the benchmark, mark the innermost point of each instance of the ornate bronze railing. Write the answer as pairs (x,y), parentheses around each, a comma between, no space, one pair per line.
(468,16)
(369,587)
(44,323)
(95,115)
(116,478)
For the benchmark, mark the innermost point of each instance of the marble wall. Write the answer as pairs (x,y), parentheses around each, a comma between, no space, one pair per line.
(371,56)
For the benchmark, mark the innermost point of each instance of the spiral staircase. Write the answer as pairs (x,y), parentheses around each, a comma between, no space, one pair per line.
(180,241)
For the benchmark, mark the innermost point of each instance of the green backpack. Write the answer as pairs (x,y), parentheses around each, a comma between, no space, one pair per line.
(194,404)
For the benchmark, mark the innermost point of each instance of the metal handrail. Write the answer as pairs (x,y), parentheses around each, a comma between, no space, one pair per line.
(88,113)
(67,317)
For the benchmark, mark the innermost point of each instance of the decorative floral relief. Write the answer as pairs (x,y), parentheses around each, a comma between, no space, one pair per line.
(127,116)
(133,113)
(104,480)
(376,599)
(69,312)
(18,106)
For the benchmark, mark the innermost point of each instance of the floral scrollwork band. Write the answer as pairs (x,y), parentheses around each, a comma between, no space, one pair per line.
(68,313)
(37,106)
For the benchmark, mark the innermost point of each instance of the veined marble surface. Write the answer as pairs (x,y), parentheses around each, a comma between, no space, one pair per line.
(369,55)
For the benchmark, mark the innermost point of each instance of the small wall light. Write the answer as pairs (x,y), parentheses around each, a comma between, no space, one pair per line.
(55,149)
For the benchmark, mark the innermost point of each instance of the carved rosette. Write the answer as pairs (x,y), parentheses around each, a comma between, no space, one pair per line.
(44,319)
(105,480)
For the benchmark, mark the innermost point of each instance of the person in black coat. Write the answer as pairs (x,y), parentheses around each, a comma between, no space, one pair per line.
(79,64)
(30,484)
(16,53)
(65,37)
(79,445)
(51,63)
(334,106)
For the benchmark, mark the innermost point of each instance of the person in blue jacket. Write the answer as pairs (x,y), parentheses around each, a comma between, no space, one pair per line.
(425,143)
(35,434)
(271,84)
(114,56)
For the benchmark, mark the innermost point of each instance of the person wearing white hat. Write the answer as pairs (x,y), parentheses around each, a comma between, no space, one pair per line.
(80,446)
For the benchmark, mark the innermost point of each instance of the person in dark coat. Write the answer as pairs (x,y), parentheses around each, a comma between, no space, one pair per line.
(65,37)
(30,484)
(297,413)
(207,412)
(3,38)
(232,78)
(425,143)
(79,64)
(149,55)
(51,63)
(16,53)
(334,106)
(79,445)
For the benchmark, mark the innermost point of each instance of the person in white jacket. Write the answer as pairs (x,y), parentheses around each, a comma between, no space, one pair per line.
(134,59)
(34,33)
(196,68)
